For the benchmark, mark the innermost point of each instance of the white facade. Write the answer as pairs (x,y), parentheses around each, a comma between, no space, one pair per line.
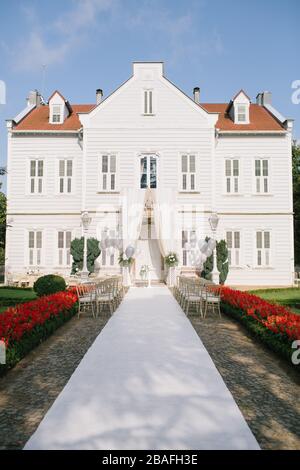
(243,175)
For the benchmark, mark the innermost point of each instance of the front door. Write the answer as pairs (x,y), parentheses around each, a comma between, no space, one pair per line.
(148,171)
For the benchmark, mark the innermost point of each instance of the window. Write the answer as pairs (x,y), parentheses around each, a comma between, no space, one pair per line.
(188,172)
(63,245)
(189,246)
(148,171)
(263,248)
(35,248)
(233,240)
(148,102)
(65,176)
(110,256)
(108,173)
(241,112)
(232,176)
(36,176)
(261,176)
(56,113)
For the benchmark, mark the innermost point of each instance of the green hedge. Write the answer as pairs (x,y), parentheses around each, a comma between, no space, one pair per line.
(276,342)
(12,301)
(49,284)
(29,341)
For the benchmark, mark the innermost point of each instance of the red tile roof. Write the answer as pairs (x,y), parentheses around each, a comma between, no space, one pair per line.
(259,117)
(38,119)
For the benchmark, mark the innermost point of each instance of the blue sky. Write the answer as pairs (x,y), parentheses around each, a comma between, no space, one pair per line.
(221,46)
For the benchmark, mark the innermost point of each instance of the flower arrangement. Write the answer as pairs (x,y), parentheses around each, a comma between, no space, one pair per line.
(144,271)
(124,261)
(171,260)
(24,326)
(274,324)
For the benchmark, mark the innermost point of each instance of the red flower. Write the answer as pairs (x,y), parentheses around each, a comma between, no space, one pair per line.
(16,321)
(278,319)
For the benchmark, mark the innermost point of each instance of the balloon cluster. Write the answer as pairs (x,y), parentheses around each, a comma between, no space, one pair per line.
(204,251)
(110,244)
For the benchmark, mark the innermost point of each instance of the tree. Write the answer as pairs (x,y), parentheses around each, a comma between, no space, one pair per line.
(222,262)
(76,249)
(296,200)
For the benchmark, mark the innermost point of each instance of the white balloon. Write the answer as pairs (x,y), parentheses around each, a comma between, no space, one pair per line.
(129,251)
(204,247)
(111,250)
(208,252)
(211,243)
(112,242)
(200,243)
(104,234)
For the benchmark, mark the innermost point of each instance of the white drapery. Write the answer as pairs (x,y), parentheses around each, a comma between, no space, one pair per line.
(133,203)
(165,219)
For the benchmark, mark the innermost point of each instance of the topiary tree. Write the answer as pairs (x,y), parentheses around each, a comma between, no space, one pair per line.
(49,284)
(76,249)
(222,262)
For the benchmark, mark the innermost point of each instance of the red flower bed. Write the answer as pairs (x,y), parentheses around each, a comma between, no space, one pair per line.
(16,321)
(274,317)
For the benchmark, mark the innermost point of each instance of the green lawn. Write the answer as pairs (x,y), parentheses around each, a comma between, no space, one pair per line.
(6,292)
(7,297)
(289,297)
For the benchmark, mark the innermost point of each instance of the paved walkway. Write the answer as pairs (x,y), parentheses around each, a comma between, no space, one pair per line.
(29,389)
(147,382)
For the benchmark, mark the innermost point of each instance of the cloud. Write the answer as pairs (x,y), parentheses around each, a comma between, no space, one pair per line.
(184,35)
(50,43)
(177,35)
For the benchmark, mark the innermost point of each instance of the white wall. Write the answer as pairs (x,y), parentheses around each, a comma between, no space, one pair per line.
(178,126)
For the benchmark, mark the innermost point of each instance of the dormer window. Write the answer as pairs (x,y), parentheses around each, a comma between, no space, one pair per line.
(56,114)
(59,108)
(148,102)
(241,113)
(238,108)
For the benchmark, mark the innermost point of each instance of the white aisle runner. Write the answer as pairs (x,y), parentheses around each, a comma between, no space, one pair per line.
(147,382)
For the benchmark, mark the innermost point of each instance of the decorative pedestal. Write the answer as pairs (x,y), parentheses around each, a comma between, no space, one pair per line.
(171,276)
(126,276)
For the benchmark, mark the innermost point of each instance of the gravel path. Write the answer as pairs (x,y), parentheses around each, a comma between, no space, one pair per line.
(265,387)
(28,390)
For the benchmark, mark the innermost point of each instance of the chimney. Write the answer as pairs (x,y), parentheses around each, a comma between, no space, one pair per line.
(264,98)
(34,98)
(99,94)
(196,93)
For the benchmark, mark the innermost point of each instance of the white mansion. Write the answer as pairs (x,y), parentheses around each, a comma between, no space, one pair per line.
(148,137)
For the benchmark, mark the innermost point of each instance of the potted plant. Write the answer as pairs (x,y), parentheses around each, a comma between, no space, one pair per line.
(126,264)
(144,271)
(171,260)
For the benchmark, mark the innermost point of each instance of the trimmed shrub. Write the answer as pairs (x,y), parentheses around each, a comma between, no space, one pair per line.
(222,262)
(76,249)
(49,284)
